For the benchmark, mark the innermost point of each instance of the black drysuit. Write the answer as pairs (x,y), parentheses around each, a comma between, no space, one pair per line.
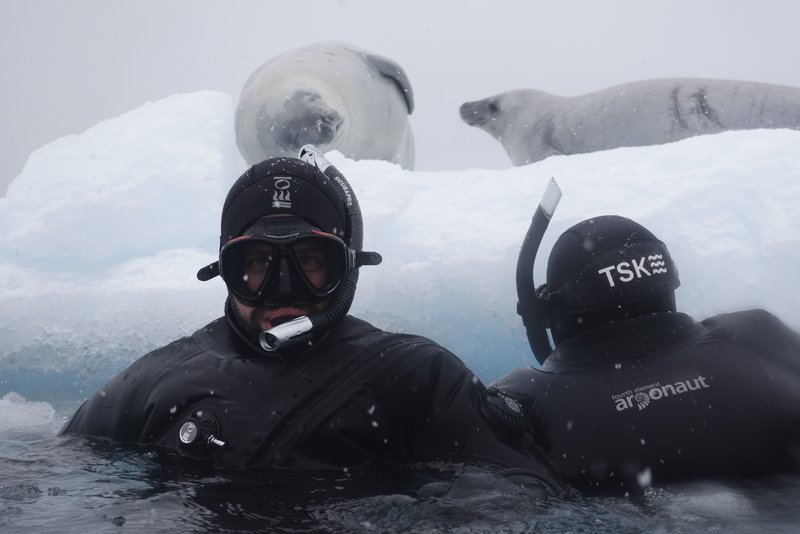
(359,396)
(662,398)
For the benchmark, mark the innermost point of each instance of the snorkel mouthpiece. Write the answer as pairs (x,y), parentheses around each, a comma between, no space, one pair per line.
(289,333)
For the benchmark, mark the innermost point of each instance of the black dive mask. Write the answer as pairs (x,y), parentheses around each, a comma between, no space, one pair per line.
(287,270)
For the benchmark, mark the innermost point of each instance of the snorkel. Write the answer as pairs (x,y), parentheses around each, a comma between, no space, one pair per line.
(302,329)
(531,305)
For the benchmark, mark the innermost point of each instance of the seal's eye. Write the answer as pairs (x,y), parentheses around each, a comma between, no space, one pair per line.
(494,107)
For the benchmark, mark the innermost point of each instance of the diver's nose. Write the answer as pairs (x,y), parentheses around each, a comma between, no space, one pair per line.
(288,285)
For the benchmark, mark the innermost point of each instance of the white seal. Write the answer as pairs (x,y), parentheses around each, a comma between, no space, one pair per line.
(532,125)
(332,95)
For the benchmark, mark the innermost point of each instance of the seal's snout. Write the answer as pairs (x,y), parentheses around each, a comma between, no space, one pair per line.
(480,112)
(305,119)
(328,126)
(471,113)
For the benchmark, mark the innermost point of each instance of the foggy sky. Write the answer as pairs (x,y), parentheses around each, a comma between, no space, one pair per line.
(67,65)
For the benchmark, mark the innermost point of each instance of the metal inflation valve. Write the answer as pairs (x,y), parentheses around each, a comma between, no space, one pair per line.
(193,433)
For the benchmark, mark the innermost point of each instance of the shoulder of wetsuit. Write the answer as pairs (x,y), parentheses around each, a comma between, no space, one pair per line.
(520,381)
(215,337)
(110,412)
(219,339)
(504,411)
(462,406)
(759,331)
(359,332)
(744,322)
(352,328)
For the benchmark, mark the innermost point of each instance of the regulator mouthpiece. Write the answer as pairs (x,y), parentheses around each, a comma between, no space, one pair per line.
(285,334)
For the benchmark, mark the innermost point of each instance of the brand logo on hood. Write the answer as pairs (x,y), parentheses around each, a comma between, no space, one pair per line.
(282,197)
(346,190)
(628,271)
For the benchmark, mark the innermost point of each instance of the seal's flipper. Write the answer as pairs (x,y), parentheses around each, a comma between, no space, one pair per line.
(390,69)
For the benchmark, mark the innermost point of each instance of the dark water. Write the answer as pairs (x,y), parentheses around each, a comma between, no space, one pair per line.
(51,484)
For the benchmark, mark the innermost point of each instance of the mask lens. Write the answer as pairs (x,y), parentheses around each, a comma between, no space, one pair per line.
(257,260)
(257,270)
(321,261)
(246,265)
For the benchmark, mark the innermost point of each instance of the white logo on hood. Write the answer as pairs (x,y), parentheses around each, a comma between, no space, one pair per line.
(627,271)
(282,197)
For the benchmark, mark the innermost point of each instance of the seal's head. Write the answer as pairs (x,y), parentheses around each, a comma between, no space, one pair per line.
(304,117)
(605,269)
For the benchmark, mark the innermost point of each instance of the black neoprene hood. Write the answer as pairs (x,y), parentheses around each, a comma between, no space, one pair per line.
(608,261)
(283,186)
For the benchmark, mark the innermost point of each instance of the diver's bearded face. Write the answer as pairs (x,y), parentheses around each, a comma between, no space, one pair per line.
(275,280)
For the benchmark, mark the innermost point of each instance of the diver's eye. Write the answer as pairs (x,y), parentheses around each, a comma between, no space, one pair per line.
(257,263)
(311,262)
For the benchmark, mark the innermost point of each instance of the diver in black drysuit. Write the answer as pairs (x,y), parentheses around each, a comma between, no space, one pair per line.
(361,395)
(322,391)
(635,393)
